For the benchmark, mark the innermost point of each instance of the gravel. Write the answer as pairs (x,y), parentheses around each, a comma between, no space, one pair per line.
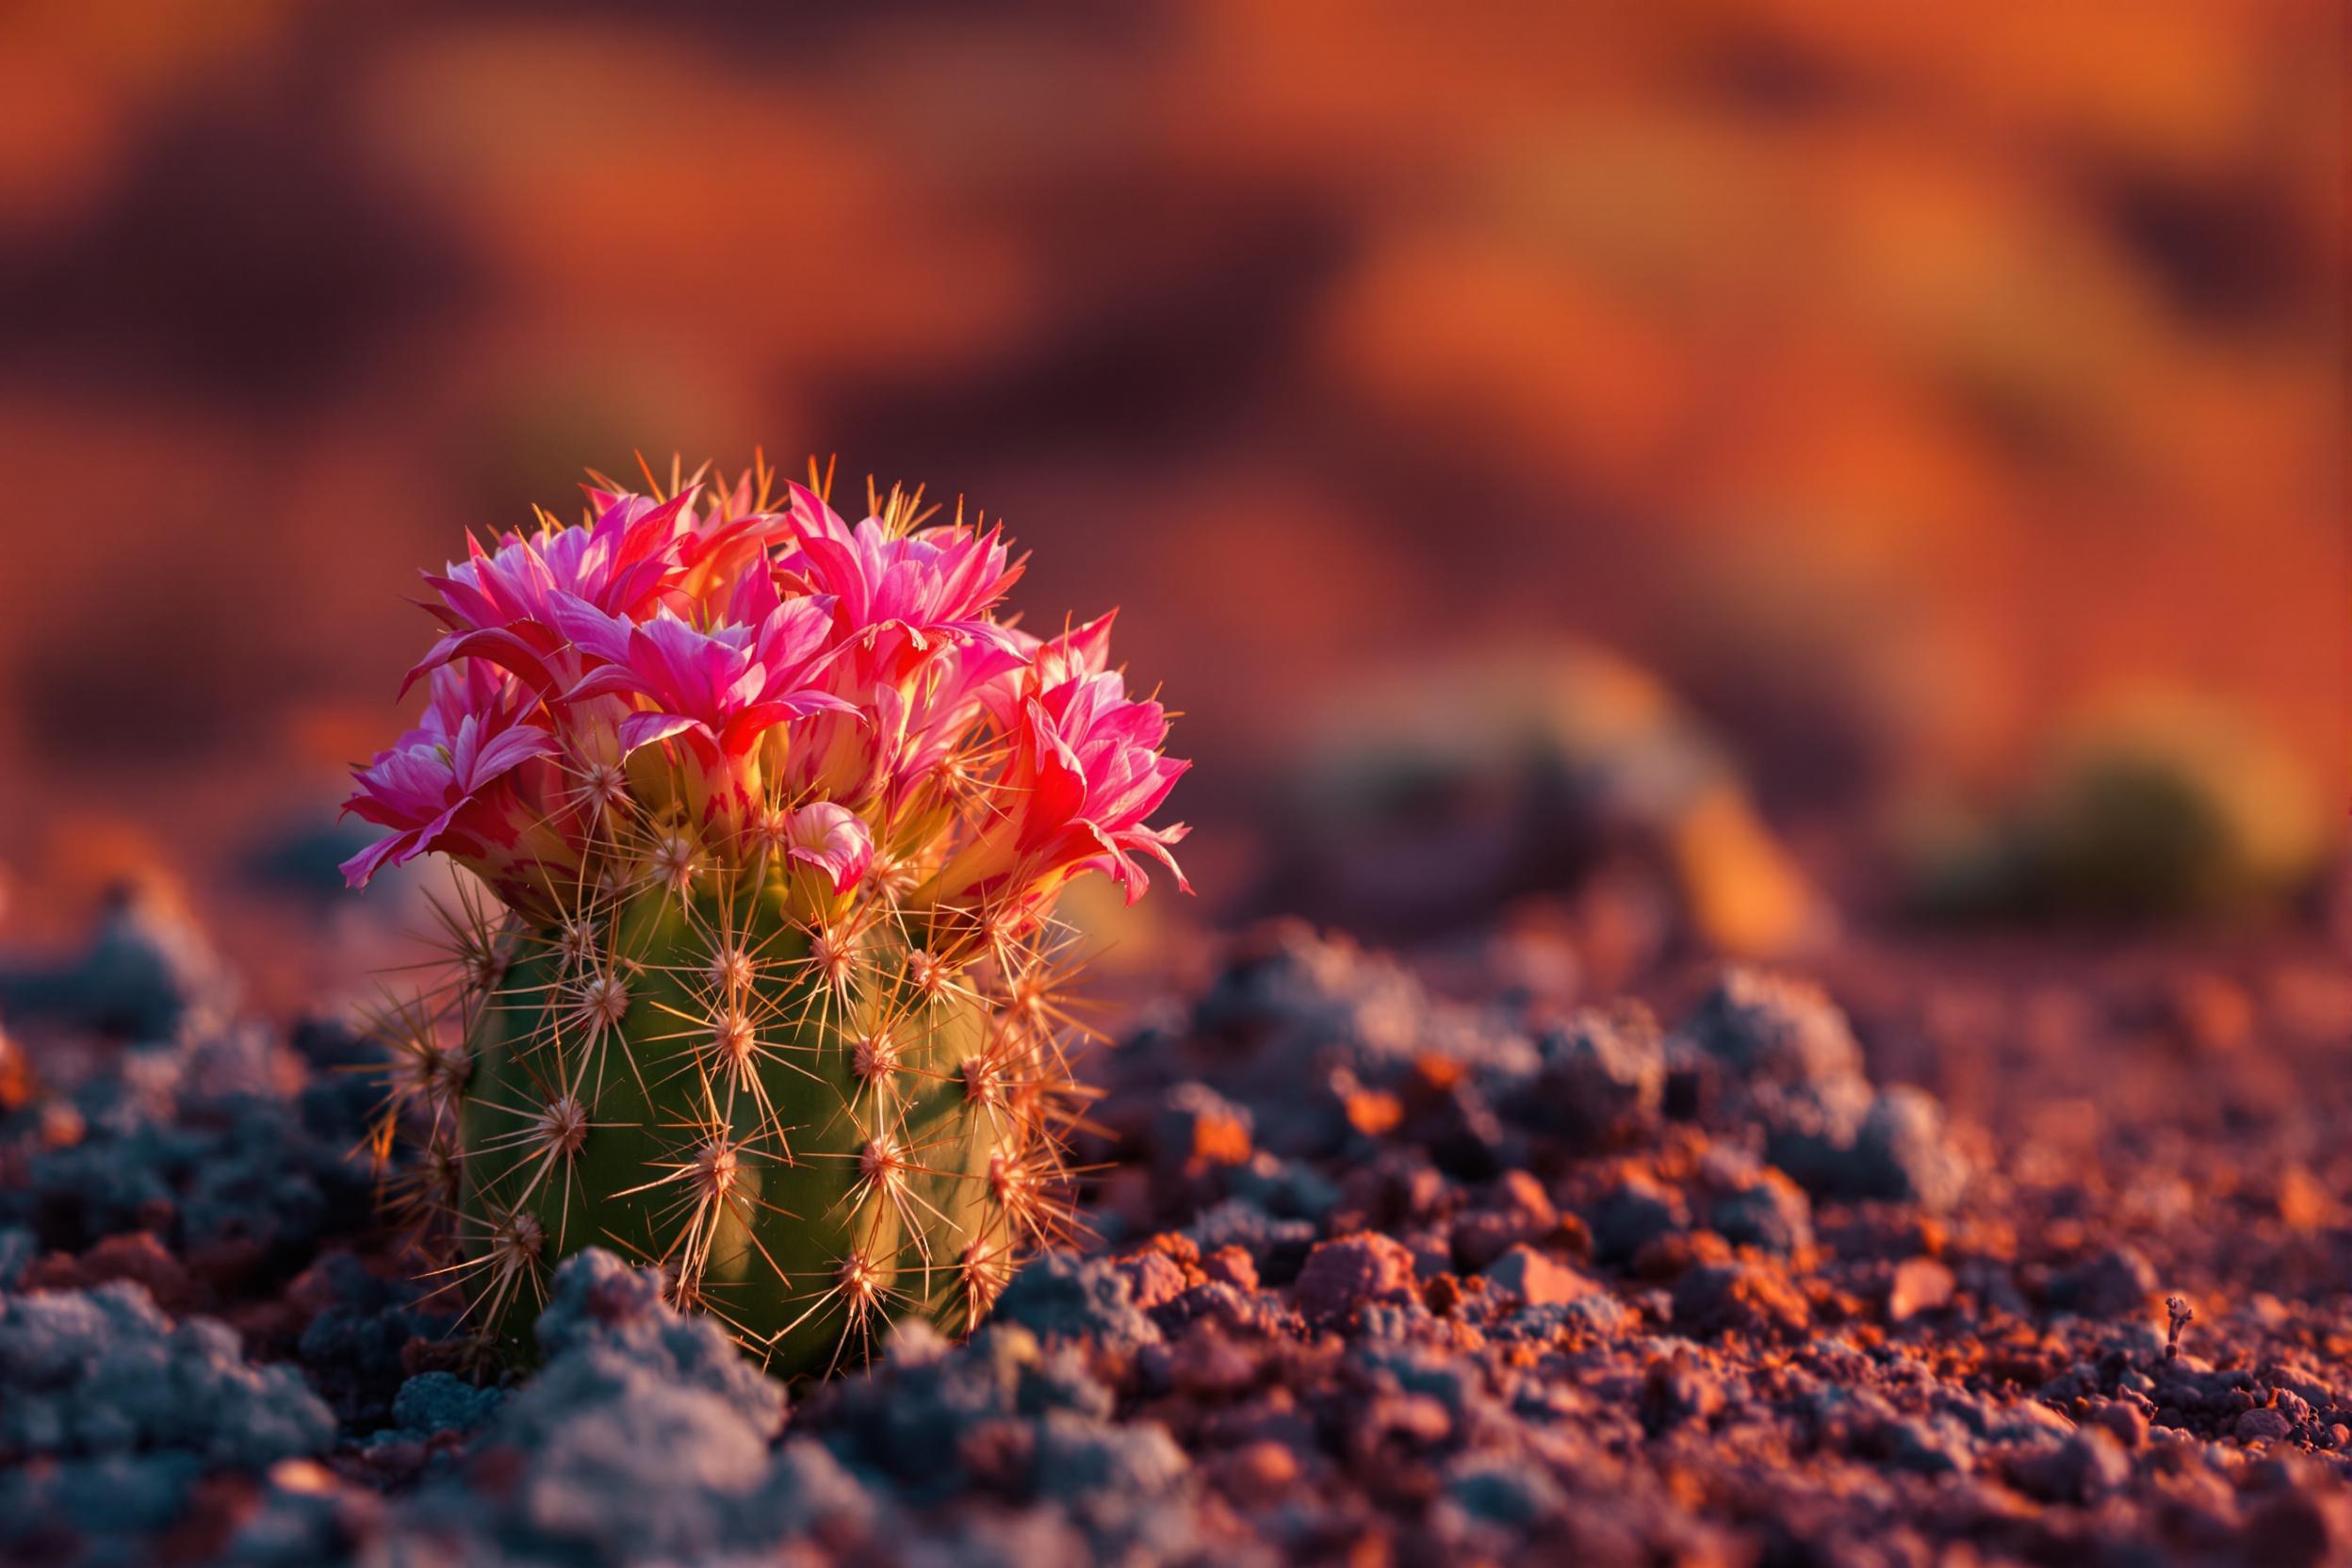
(1381,1277)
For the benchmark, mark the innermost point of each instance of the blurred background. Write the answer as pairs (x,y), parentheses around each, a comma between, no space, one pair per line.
(1707,477)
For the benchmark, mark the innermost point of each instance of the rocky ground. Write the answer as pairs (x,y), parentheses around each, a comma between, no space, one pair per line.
(1942,1255)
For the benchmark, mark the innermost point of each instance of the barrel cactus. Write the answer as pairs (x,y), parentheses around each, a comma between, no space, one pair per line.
(756,976)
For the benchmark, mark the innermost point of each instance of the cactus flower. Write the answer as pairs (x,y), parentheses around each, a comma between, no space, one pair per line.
(775,809)
(448,784)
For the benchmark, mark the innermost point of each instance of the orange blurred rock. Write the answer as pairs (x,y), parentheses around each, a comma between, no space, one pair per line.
(1920,1284)
(2211,1012)
(16,1075)
(2303,1203)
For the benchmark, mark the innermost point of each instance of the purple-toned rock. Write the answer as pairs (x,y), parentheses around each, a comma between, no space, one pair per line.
(1059,1295)
(1602,1079)
(104,1372)
(601,1306)
(2263,1424)
(1342,1274)
(2082,1468)
(1761,1028)
(146,969)
(1903,1152)
(1152,1278)
(2117,1282)
(1771,1214)
(1632,1214)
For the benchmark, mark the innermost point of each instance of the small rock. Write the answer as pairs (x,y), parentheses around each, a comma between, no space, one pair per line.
(1058,1293)
(2117,1283)
(2212,1013)
(601,1307)
(16,1075)
(1633,1213)
(1904,1153)
(1232,1266)
(1924,1448)
(438,1402)
(146,967)
(17,1249)
(1538,1280)
(1500,1491)
(1518,1210)
(1152,1278)
(103,1372)
(1522,1197)
(1198,1128)
(1261,1470)
(2263,1424)
(1602,1079)
(2082,1468)
(2302,1526)
(1773,1215)
(137,1257)
(2125,1422)
(1676,1390)
(1764,1028)
(1343,1273)
(1278,1247)
(1920,1284)
(1737,1296)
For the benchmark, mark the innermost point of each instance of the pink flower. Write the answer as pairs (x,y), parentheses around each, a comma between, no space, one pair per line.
(930,585)
(906,734)
(719,691)
(1085,768)
(954,693)
(725,545)
(501,607)
(1047,663)
(917,643)
(833,696)
(831,838)
(448,784)
(1093,757)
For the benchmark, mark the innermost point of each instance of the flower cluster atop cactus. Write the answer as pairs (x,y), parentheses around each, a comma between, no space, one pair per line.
(775,809)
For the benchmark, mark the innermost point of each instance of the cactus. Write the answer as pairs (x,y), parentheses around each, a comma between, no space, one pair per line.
(759,980)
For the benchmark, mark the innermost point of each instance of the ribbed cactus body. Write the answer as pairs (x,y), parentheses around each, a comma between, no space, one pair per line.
(812,1133)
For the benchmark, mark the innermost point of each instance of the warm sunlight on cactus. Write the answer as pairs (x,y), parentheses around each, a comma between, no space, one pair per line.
(773,811)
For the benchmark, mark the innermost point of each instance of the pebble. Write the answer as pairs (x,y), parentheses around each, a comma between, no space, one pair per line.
(2263,1424)
(1920,1284)
(1343,1273)
(1538,1280)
